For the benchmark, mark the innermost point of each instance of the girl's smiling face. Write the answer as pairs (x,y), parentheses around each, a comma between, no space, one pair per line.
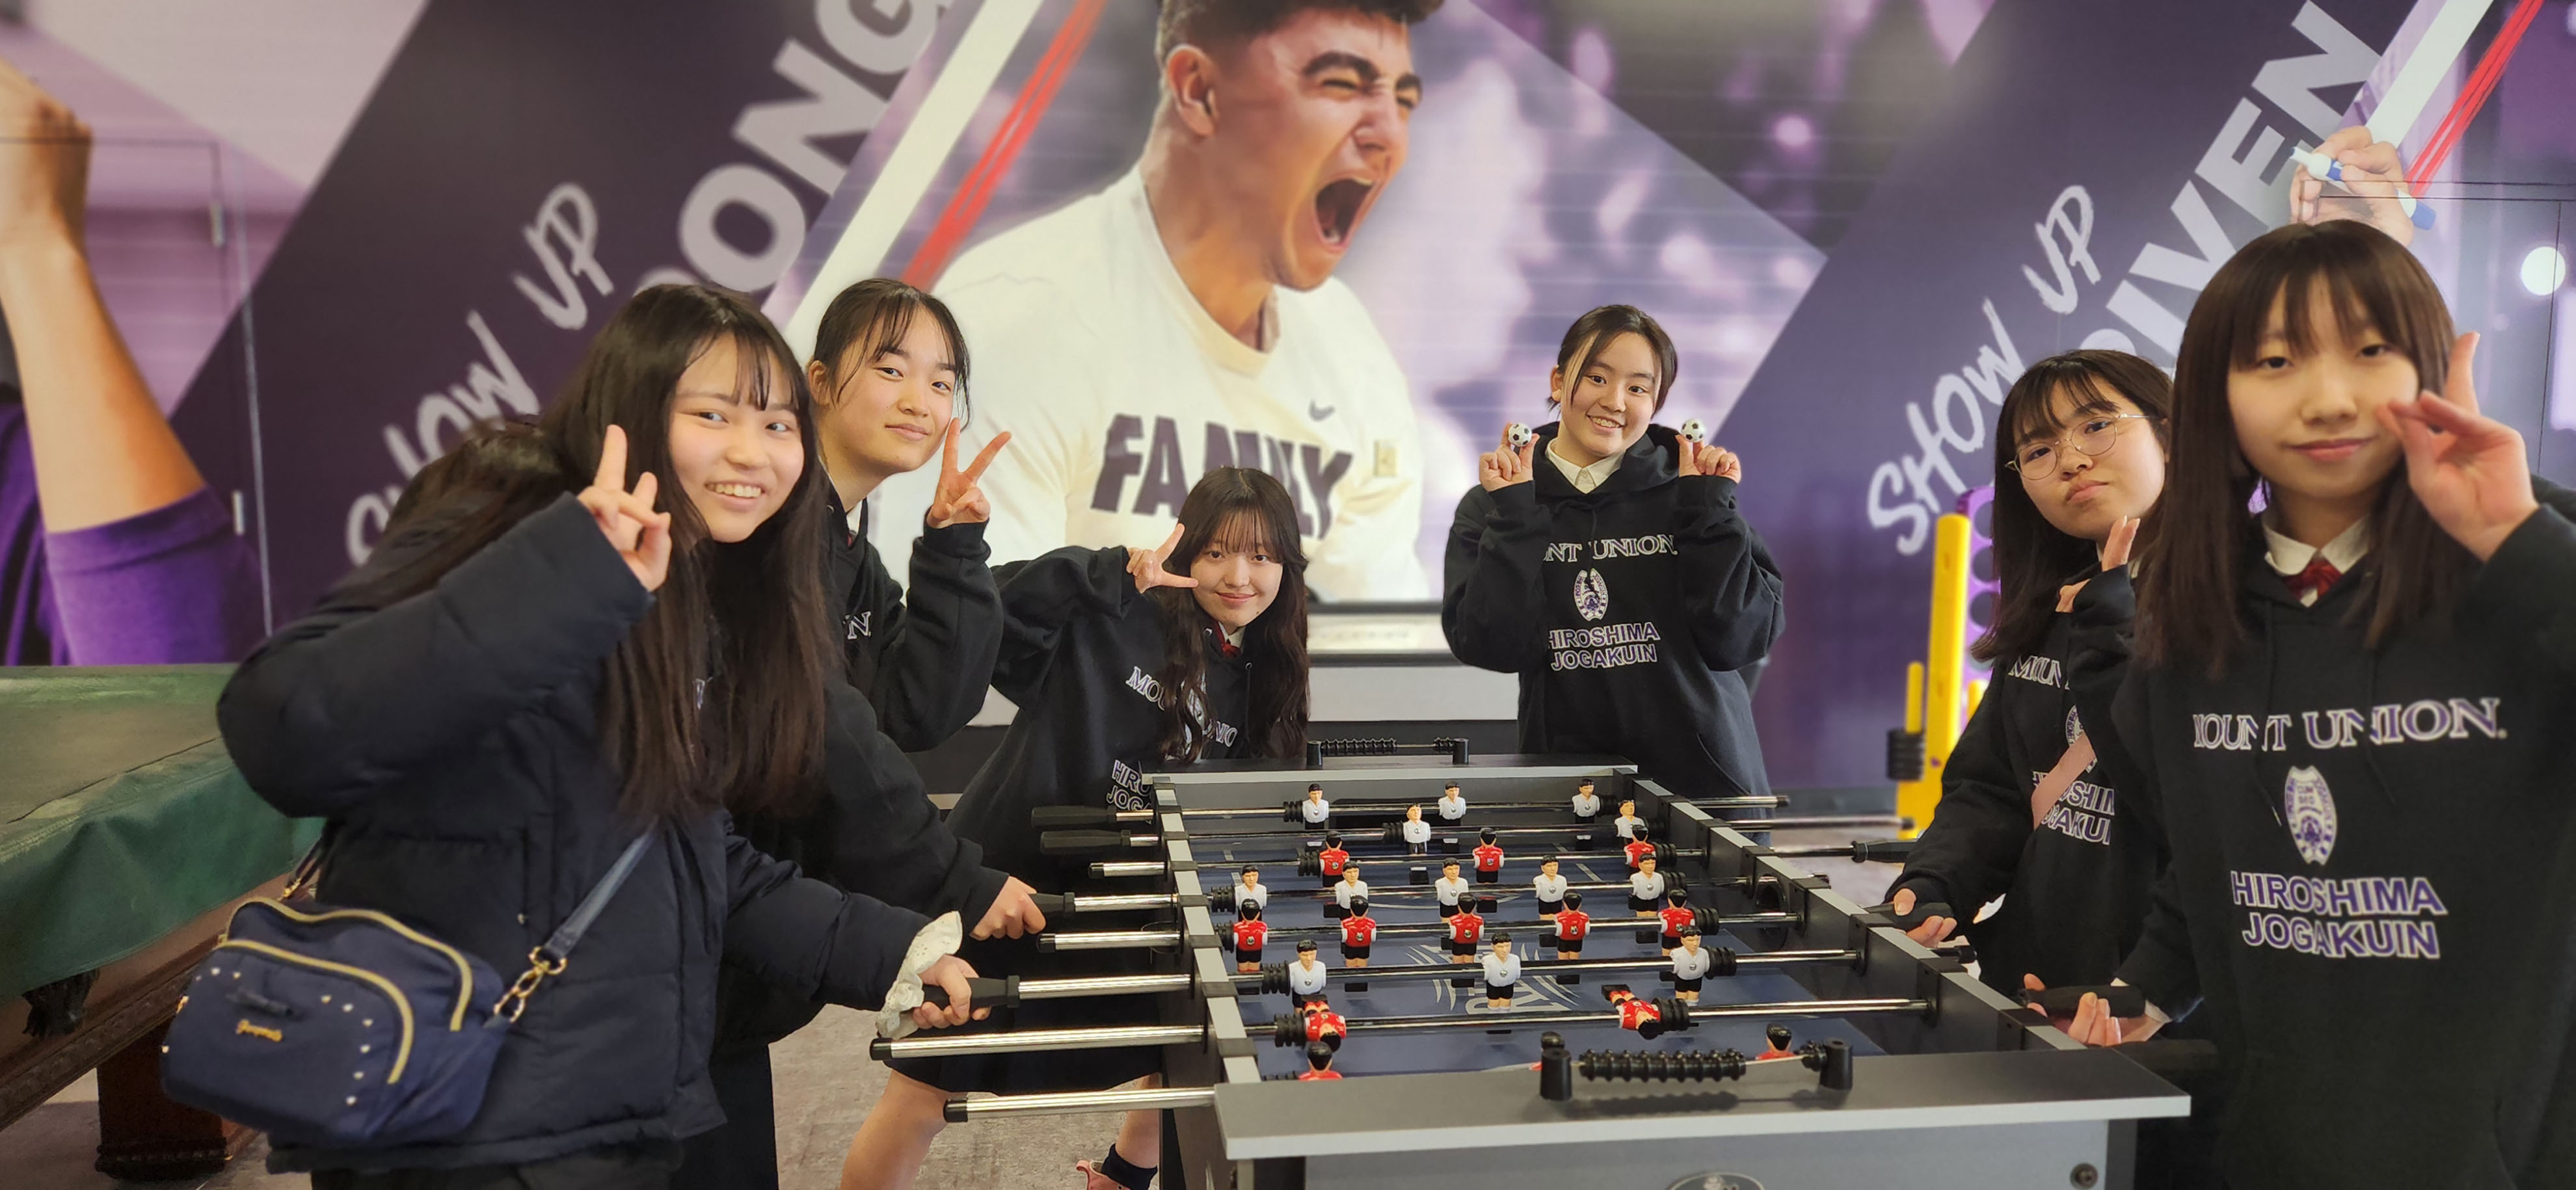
(2307,421)
(735,459)
(1238,573)
(1604,408)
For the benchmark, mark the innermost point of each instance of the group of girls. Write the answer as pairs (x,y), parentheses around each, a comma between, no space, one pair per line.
(614,622)
(2225,775)
(2282,656)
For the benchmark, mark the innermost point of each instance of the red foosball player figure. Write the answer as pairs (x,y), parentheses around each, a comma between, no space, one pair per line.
(1248,935)
(1778,1037)
(1466,929)
(1572,923)
(1358,930)
(1677,917)
(1637,1015)
(1640,845)
(1489,858)
(1323,1025)
(1332,859)
(1319,1063)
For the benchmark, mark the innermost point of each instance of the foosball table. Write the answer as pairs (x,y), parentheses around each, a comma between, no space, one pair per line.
(1798,1039)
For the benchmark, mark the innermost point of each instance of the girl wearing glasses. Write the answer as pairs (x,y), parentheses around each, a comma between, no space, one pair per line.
(2024,813)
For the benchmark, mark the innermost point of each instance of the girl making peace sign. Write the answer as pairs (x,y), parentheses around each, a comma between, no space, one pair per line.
(1123,663)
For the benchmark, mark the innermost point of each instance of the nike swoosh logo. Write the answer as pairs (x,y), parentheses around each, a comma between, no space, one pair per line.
(1317,412)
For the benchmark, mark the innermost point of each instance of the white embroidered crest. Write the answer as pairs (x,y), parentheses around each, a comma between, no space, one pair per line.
(2074,726)
(1591,595)
(2310,810)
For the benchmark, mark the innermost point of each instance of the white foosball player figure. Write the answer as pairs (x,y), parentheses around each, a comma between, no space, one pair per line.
(1450,889)
(1646,889)
(1587,804)
(1417,833)
(1453,804)
(1550,888)
(1306,976)
(1350,888)
(1690,966)
(1502,973)
(1626,824)
(1249,890)
(1316,811)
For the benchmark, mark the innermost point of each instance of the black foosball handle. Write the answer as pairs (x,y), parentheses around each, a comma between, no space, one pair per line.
(986,992)
(1082,842)
(1057,818)
(2061,1002)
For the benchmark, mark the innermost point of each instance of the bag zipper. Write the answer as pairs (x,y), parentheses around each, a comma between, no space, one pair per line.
(402,1004)
(464,972)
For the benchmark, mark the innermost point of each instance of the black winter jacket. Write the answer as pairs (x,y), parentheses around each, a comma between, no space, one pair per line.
(1079,658)
(2075,888)
(924,662)
(2361,842)
(452,739)
(1626,612)
(923,656)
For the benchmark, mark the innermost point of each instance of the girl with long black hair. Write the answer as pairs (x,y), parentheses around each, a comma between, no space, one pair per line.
(888,377)
(601,626)
(1616,577)
(2350,708)
(2079,457)
(1123,662)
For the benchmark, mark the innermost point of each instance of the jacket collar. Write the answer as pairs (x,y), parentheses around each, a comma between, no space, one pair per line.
(1648,463)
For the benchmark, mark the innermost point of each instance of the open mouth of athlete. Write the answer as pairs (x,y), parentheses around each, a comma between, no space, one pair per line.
(1338,207)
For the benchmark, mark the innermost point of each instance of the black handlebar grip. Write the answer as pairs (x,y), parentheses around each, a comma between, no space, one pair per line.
(1060,818)
(954,1111)
(1081,842)
(1882,851)
(1052,904)
(986,993)
(1923,910)
(2060,1002)
(1308,863)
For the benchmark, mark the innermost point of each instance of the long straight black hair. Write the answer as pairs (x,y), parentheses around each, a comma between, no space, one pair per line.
(745,619)
(2188,612)
(2032,557)
(1243,507)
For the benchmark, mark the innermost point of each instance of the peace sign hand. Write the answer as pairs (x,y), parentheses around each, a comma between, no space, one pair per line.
(1146,566)
(1499,469)
(640,535)
(2467,468)
(958,501)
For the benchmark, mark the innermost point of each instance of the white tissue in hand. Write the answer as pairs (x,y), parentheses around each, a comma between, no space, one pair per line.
(937,940)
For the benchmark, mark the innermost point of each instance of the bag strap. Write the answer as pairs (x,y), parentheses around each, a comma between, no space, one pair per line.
(550,958)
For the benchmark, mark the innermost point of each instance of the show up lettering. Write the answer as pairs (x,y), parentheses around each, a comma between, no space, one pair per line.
(1907,493)
(2379,917)
(830,98)
(1163,477)
(2421,721)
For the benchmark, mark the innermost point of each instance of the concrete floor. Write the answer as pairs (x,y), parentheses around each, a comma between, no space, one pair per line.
(825,1085)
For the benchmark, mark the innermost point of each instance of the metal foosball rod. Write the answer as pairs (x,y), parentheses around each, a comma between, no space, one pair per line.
(1095,842)
(1689,1014)
(965,1108)
(1886,851)
(1707,920)
(1342,813)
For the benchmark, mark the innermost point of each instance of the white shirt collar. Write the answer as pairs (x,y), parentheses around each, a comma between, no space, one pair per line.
(1584,479)
(1233,636)
(2288,557)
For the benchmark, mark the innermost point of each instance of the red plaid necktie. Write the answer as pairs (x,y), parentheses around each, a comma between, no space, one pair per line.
(2319,577)
(1228,648)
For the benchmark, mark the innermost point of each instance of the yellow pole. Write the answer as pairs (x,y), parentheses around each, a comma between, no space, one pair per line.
(1945,668)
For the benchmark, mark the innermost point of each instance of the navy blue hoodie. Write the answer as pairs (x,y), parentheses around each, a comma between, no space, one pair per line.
(1626,611)
(2359,839)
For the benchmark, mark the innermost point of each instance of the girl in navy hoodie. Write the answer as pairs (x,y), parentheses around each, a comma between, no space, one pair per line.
(560,645)
(2024,813)
(1615,576)
(2347,716)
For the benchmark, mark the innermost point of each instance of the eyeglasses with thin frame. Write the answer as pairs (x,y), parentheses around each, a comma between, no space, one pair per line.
(2093,436)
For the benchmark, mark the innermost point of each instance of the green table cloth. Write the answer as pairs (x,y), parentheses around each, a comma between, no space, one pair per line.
(121,815)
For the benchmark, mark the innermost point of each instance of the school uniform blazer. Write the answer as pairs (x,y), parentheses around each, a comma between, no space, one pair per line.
(1626,611)
(453,740)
